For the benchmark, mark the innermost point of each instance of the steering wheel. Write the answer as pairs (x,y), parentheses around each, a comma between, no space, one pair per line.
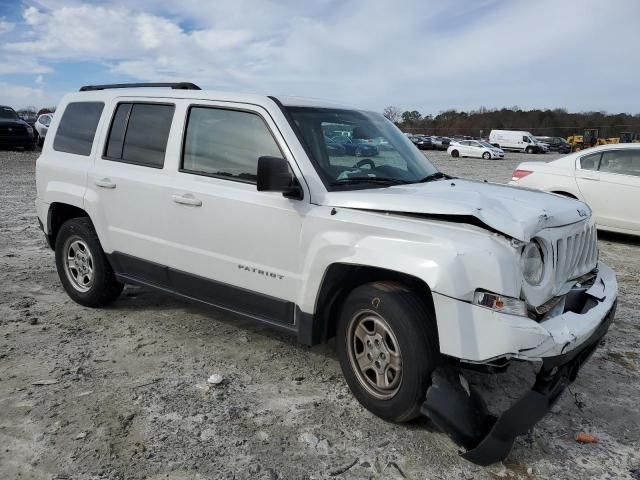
(365,161)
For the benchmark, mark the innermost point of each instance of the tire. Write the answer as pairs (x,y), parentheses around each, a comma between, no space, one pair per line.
(94,289)
(486,156)
(411,331)
(529,150)
(455,153)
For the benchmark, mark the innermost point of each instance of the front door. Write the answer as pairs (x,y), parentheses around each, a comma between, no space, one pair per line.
(230,244)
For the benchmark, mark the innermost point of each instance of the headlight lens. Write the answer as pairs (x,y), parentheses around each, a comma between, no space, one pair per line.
(532,263)
(500,303)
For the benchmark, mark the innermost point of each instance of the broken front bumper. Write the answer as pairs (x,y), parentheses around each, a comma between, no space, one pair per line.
(458,409)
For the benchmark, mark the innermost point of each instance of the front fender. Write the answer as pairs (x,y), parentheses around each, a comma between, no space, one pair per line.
(452,259)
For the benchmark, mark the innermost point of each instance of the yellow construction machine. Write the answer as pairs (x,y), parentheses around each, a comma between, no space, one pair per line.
(588,139)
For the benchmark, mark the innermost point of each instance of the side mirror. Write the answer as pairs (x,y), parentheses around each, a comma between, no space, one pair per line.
(274,175)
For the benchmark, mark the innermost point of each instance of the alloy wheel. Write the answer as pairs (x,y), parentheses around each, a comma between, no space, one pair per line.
(374,354)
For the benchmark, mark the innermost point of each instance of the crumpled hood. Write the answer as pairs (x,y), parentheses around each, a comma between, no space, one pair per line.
(517,212)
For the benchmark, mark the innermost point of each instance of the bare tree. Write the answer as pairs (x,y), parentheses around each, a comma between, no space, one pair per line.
(392,113)
(46,110)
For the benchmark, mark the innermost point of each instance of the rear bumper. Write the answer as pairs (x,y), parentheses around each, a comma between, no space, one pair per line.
(459,410)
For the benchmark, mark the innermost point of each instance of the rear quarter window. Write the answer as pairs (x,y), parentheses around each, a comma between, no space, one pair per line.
(590,162)
(77,128)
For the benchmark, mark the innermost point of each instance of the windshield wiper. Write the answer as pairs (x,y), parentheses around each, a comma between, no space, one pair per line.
(433,176)
(378,180)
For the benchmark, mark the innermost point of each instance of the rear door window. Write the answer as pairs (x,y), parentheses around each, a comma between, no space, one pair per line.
(77,127)
(622,162)
(139,134)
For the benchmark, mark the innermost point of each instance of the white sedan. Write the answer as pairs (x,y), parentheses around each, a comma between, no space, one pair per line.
(607,178)
(474,148)
(42,126)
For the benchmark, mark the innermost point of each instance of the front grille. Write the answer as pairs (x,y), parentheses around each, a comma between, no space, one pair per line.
(576,254)
(13,131)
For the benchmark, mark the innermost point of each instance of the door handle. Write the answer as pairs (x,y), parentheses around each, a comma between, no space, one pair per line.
(187,199)
(589,176)
(105,183)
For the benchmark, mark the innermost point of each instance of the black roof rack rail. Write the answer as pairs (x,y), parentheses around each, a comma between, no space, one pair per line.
(174,85)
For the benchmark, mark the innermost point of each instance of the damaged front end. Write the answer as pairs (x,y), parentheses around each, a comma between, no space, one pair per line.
(459,410)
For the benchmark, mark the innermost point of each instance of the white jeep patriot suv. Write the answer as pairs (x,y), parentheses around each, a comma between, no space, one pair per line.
(324,221)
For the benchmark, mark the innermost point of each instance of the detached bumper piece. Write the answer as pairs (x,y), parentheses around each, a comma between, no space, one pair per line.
(459,410)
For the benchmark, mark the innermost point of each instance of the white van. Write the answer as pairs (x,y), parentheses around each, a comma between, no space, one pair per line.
(517,140)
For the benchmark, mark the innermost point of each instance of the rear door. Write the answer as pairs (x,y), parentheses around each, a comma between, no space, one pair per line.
(610,183)
(475,149)
(126,186)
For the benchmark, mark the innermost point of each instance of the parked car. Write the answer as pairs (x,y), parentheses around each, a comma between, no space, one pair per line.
(474,148)
(28,116)
(354,148)
(605,177)
(440,143)
(230,200)
(422,142)
(15,132)
(42,126)
(381,143)
(516,140)
(334,149)
(544,147)
(556,144)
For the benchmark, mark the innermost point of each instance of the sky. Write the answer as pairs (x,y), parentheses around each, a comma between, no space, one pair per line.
(429,56)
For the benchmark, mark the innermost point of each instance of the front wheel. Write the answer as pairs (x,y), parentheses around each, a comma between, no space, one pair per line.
(82,266)
(387,344)
(486,156)
(529,150)
(455,153)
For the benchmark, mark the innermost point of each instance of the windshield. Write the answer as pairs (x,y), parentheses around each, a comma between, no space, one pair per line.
(356,149)
(8,113)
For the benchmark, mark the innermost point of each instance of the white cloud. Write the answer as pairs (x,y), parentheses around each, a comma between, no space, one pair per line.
(18,96)
(39,80)
(12,64)
(5,26)
(448,54)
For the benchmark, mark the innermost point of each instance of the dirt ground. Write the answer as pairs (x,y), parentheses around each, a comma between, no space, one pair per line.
(114,393)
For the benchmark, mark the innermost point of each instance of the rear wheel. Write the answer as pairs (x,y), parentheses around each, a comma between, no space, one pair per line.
(82,266)
(387,343)
(486,156)
(455,153)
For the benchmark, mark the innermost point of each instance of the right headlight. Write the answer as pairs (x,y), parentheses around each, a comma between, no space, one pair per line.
(532,263)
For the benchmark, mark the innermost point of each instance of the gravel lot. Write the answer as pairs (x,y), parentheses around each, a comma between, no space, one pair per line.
(113,393)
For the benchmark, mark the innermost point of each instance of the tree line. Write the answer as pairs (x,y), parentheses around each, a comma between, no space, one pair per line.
(556,123)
